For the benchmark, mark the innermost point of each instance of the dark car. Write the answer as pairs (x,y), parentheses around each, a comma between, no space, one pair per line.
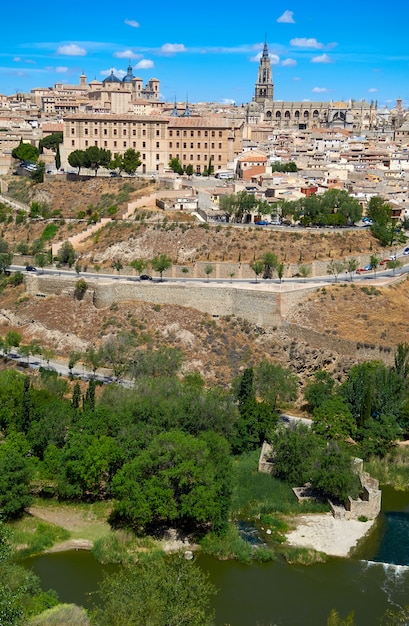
(145,277)
(31,268)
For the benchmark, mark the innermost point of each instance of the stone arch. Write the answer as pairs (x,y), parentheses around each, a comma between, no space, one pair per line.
(278,114)
(296,114)
(306,115)
(287,115)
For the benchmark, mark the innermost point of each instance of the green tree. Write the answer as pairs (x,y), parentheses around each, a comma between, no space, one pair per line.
(77,159)
(159,591)
(131,161)
(334,420)
(117,265)
(393,264)
(66,254)
(352,266)
(208,270)
(138,265)
(41,260)
(295,450)
(257,267)
(178,478)
(335,268)
(73,358)
(161,263)
(319,389)
(95,157)
(176,166)
(76,396)
(25,152)
(270,263)
(57,157)
(275,383)
(280,271)
(94,358)
(15,476)
(37,175)
(374,261)
(52,141)
(305,271)
(333,474)
(189,170)
(81,287)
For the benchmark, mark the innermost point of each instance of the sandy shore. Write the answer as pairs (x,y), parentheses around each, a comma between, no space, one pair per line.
(325,534)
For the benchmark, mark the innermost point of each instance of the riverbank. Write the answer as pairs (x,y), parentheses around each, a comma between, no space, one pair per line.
(324,533)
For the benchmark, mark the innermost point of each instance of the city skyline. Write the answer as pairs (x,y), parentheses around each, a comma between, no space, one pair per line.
(212,54)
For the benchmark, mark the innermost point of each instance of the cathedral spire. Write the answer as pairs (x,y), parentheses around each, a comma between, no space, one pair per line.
(264,88)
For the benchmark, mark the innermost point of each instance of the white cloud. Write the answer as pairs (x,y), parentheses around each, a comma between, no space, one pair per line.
(322,58)
(172,48)
(286,18)
(228,101)
(273,58)
(71,50)
(288,62)
(144,64)
(61,69)
(118,73)
(126,54)
(319,89)
(306,42)
(132,23)
(17,59)
(372,90)
(297,78)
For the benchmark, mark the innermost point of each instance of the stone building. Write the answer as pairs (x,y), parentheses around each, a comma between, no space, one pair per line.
(194,141)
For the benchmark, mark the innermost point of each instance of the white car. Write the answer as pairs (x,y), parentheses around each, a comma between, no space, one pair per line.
(406,251)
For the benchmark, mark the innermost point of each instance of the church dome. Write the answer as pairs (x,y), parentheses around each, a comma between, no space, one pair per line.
(128,78)
(111,78)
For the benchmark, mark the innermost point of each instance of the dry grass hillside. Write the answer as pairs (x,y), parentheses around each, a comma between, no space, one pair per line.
(219,349)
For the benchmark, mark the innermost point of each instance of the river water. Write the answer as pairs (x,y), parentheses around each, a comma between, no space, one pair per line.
(376,579)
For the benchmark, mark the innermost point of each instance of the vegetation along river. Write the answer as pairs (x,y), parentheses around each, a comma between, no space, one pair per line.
(375,579)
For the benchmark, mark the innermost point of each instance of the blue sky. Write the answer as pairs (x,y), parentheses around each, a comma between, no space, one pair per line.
(203,51)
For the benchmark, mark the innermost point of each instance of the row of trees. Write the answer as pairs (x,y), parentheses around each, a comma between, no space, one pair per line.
(94,158)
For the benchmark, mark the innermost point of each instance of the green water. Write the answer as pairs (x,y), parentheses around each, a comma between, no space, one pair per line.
(276,593)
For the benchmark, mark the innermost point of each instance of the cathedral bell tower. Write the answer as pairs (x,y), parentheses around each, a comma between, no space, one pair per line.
(264,89)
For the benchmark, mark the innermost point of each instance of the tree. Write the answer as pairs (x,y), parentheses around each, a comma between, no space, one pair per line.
(161,263)
(94,358)
(81,287)
(57,157)
(189,170)
(374,261)
(274,383)
(138,265)
(334,420)
(117,265)
(73,358)
(66,254)
(131,161)
(270,263)
(25,152)
(257,267)
(393,264)
(335,268)
(95,157)
(176,166)
(77,159)
(37,175)
(280,271)
(15,477)
(41,260)
(177,479)
(333,474)
(318,390)
(305,271)
(208,270)
(52,141)
(352,266)
(295,449)
(158,591)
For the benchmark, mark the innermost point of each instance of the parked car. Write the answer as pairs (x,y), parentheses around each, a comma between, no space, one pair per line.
(367,220)
(389,258)
(145,277)
(261,223)
(406,251)
(362,270)
(31,268)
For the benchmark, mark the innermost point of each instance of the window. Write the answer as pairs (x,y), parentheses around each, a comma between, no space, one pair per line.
(184,144)
(86,143)
(184,157)
(124,144)
(198,133)
(220,133)
(134,132)
(143,144)
(177,144)
(191,145)
(198,157)
(124,132)
(95,131)
(213,133)
(184,133)
(191,157)
(170,144)
(171,133)
(178,133)
(144,133)
(115,132)
(198,146)
(170,157)
(115,144)
(85,131)
(105,131)
(192,133)
(96,143)
(157,157)
(144,156)
(134,144)
(220,157)
(205,145)
(72,131)
(158,133)
(212,145)
(205,133)
(73,142)
(105,144)
(220,146)
(157,144)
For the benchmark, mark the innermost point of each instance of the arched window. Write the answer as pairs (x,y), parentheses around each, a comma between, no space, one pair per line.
(268,115)
(306,115)
(278,114)
(287,115)
(315,114)
(297,114)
